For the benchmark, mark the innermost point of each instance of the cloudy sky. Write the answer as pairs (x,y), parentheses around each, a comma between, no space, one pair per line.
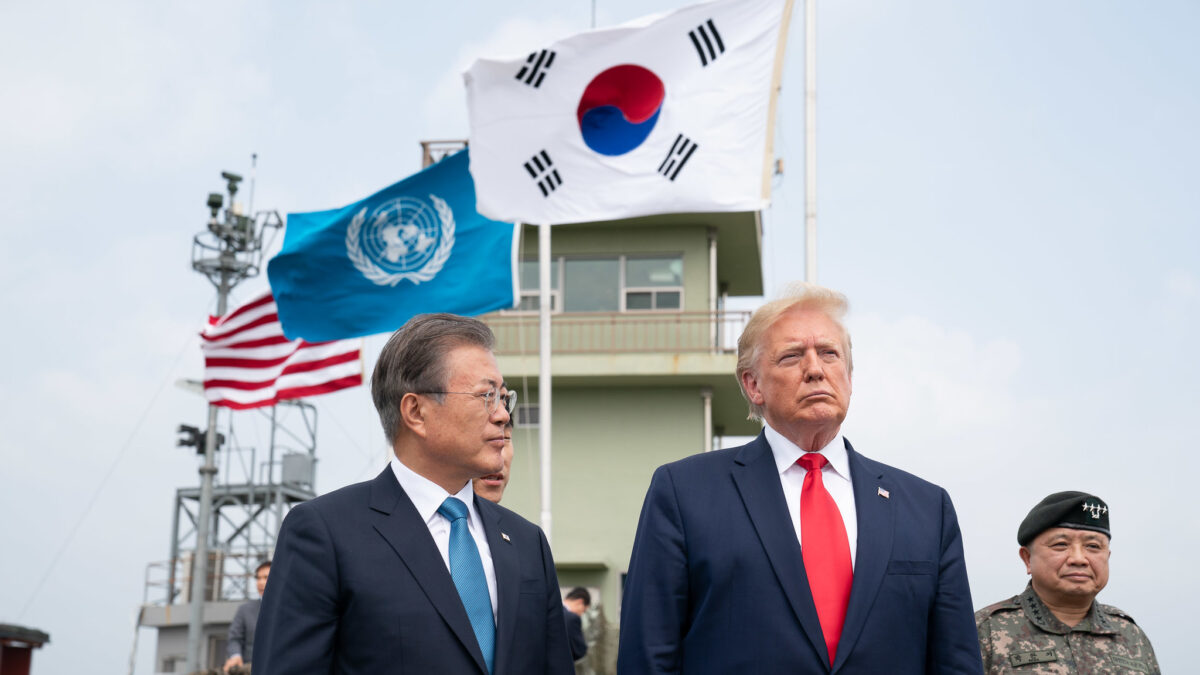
(1006,192)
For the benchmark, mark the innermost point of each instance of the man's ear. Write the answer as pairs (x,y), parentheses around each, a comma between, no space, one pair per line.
(1025,555)
(413,414)
(750,386)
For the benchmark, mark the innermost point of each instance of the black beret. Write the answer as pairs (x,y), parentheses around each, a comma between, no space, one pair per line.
(1077,510)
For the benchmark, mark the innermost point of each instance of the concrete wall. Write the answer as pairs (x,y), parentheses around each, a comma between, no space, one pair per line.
(171,648)
(172,640)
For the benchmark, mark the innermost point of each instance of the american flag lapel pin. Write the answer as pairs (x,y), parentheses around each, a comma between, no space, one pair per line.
(884,493)
(505,537)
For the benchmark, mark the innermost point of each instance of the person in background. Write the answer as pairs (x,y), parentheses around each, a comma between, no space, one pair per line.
(240,651)
(576,603)
(1056,625)
(491,487)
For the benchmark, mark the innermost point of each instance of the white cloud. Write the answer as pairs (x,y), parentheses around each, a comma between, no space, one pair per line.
(922,381)
(1182,286)
(122,79)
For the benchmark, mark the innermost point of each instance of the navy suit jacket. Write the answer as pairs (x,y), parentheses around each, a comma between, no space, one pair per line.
(357,586)
(716,582)
(575,635)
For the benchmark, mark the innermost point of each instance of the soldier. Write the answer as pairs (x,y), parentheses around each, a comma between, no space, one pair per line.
(1056,626)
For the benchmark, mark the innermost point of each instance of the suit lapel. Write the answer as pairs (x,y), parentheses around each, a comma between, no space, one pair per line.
(508,579)
(400,524)
(757,481)
(876,527)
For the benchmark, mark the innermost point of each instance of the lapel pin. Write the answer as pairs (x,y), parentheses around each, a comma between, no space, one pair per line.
(505,537)
(884,493)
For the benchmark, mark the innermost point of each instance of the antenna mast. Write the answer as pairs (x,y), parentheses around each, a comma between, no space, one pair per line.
(227,252)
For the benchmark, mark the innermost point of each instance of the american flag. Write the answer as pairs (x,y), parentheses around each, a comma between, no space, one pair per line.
(249,363)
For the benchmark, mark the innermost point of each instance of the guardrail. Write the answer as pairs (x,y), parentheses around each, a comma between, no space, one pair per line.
(230,578)
(596,333)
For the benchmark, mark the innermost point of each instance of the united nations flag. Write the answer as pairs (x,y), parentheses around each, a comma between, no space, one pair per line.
(415,247)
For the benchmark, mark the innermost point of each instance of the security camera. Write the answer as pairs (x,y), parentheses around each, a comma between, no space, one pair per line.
(233,180)
(215,200)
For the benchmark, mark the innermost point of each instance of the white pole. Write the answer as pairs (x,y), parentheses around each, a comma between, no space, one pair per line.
(717,325)
(706,394)
(810,141)
(200,571)
(544,385)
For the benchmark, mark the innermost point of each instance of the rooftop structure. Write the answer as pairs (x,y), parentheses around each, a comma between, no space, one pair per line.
(16,648)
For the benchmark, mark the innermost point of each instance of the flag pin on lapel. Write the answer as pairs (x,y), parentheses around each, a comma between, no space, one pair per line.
(884,493)
(505,537)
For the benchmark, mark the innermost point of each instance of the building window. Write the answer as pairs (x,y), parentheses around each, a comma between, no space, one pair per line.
(530,296)
(607,284)
(592,284)
(526,415)
(653,283)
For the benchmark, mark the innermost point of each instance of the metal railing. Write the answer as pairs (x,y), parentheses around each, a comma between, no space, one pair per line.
(627,332)
(230,578)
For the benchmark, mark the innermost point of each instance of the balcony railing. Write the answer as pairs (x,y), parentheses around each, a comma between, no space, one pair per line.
(630,332)
(230,578)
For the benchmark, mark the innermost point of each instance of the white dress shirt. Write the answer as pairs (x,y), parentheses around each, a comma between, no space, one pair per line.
(427,496)
(835,475)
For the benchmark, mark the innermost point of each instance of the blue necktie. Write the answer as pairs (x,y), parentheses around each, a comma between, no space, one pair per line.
(466,569)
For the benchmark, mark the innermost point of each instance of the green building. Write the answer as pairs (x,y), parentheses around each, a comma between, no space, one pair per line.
(643,359)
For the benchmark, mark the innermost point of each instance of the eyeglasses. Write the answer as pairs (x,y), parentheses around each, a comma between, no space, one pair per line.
(491,398)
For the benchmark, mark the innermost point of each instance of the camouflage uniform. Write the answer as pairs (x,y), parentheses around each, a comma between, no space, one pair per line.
(1021,635)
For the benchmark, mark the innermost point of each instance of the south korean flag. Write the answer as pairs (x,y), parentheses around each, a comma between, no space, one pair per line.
(665,114)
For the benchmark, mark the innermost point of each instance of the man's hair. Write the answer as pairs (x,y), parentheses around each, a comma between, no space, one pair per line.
(797,295)
(414,361)
(580,593)
(265,563)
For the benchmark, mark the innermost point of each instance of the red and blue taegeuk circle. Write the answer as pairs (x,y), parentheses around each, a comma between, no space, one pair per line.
(619,108)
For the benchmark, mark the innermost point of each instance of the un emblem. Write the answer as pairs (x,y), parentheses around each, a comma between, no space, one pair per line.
(404,238)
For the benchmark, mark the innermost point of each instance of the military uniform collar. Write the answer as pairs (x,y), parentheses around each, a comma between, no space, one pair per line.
(1040,615)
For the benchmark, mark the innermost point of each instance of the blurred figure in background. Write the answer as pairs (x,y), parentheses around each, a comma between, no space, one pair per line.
(491,487)
(577,602)
(241,632)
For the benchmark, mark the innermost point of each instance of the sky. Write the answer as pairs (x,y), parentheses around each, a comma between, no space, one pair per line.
(1005,192)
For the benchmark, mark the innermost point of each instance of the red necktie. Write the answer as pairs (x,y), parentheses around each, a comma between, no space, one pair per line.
(825,549)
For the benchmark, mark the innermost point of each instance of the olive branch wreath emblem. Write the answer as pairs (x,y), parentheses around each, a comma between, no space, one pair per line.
(376,274)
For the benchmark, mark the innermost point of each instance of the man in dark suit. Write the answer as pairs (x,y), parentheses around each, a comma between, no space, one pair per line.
(794,553)
(576,602)
(409,572)
(240,647)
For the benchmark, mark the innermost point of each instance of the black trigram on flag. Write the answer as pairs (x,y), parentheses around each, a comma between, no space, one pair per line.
(712,46)
(534,70)
(680,152)
(542,170)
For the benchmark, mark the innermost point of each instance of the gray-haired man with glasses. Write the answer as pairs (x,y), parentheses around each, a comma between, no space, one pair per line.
(410,572)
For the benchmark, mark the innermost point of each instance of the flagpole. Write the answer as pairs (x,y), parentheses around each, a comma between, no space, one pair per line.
(810,141)
(544,385)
